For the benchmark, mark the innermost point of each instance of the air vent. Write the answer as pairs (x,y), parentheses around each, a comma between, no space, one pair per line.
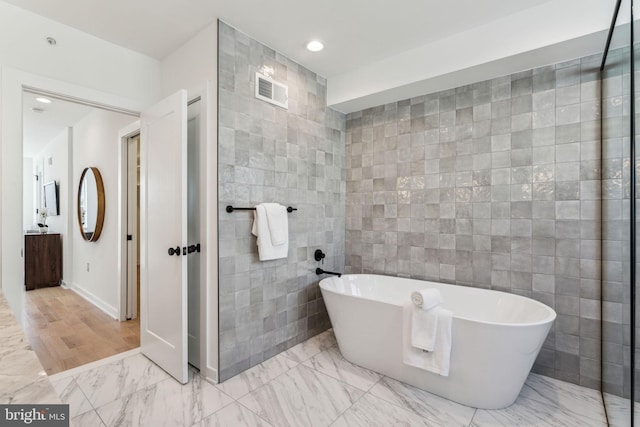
(272,91)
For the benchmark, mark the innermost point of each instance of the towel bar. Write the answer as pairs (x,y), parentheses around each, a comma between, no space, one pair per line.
(231,209)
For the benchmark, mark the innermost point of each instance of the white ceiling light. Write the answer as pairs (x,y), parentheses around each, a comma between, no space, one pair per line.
(315,46)
(43,100)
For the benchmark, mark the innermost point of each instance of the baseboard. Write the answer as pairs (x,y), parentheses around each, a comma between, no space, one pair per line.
(210,374)
(110,310)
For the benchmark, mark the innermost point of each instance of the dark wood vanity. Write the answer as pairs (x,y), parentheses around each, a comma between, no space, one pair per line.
(42,260)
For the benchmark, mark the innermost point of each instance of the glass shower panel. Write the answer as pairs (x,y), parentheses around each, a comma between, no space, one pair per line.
(632,105)
(617,351)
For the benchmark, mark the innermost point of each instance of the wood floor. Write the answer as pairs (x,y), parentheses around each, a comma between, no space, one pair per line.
(67,331)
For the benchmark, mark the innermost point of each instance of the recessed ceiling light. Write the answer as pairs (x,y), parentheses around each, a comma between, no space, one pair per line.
(43,100)
(315,46)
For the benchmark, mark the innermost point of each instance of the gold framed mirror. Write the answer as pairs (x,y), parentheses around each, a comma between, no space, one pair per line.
(90,204)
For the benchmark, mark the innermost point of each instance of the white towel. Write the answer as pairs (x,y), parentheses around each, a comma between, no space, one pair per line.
(278,223)
(424,328)
(424,318)
(266,250)
(436,361)
(426,298)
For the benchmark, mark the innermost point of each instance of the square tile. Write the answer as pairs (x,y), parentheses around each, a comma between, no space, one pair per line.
(371,411)
(301,397)
(331,362)
(528,412)
(433,409)
(257,376)
(564,395)
(71,394)
(618,410)
(89,418)
(233,415)
(311,347)
(110,382)
(166,403)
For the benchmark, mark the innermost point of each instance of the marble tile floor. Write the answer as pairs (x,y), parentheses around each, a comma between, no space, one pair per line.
(619,411)
(308,385)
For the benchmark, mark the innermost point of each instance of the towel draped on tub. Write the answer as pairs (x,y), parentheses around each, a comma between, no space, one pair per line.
(427,332)
(424,318)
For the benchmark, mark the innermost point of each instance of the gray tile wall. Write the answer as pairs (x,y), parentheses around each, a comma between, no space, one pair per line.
(493,185)
(615,224)
(268,154)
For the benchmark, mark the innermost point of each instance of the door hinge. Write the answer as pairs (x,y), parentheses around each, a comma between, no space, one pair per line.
(129,237)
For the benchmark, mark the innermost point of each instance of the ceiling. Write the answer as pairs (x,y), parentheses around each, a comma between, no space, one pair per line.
(359,35)
(40,128)
(355,33)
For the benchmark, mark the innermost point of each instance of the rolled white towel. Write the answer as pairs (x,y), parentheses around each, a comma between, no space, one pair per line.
(426,299)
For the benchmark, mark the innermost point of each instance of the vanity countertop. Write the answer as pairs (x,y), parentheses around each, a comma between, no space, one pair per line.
(22,377)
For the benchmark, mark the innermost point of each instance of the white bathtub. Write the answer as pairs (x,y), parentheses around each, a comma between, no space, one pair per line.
(496,336)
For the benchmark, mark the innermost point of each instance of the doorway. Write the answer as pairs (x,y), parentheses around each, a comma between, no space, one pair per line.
(13,83)
(71,321)
(132,284)
(131,255)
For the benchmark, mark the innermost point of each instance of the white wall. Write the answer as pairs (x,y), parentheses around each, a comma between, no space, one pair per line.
(96,144)
(28,187)
(54,160)
(190,66)
(194,67)
(78,57)
(80,65)
(508,45)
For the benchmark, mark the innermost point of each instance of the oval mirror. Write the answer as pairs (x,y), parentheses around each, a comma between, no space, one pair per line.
(90,204)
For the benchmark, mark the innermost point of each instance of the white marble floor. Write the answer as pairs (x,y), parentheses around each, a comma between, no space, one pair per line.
(619,411)
(308,385)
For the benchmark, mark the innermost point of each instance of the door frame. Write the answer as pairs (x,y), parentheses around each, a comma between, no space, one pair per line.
(14,81)
(209,310)
(123,140)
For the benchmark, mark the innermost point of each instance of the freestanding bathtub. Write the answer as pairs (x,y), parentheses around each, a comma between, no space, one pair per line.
(496,336)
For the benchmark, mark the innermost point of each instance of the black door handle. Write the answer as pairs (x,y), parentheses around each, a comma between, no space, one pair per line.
(175,251)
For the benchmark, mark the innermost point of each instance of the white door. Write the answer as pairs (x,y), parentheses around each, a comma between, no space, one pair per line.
(163,234)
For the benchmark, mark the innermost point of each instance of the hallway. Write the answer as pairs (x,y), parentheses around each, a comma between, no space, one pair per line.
(67,331)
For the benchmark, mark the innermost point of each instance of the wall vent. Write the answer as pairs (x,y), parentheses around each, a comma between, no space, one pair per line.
(271,91)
